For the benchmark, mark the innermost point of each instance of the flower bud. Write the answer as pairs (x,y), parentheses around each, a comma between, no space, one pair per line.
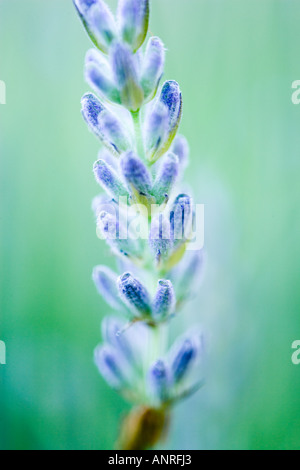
(153,67)
(171,97)
(115,234)
(109,180)
(184,354)
(133,20)
(98,22)
(160,238)
(181,148)
(98,202)
(135,173)
(103,202)
(187,275)
(104,124)
(181,218)
(99,76)
(91,109)
(113,335)
(164,301)
(166,178)
(109,226)
(106,283)
(109,158)
(158,379)
(134,295)
(114,135)
(156,129)
(124,67)
(111,366)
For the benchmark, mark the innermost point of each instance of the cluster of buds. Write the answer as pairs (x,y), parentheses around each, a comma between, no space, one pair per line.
(143,214)
(124,363)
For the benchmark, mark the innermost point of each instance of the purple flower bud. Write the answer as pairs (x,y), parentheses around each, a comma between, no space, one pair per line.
(114,134)
(91,109)
(98,22)
(153,67)
(104,124)
(102,202)
(188,274)
(181,148)
(106,283)
(158,379)
(181,218)
(124,67)
(109,180)
(184,354)
(135,173)
(98,202)
(164,301)
(111,366)
(109,226)
(99,76)
(109,158)
(133,20)
(166,178)
(135,295)
(112,334)
(160,238)
(156,129)
(171,97)
(115,234)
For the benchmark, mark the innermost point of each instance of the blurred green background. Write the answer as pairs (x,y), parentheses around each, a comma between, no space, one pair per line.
(235,61)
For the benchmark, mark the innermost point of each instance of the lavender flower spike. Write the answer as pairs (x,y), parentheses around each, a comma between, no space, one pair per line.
(146,226)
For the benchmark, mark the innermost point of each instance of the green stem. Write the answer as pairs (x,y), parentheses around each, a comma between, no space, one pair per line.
(138,133)
(156,345)
(159,342)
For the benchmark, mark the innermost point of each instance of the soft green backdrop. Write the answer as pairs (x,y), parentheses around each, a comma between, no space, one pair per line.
(235,61)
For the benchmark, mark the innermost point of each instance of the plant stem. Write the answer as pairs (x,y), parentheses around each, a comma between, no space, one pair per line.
(138,133)
(156,345)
